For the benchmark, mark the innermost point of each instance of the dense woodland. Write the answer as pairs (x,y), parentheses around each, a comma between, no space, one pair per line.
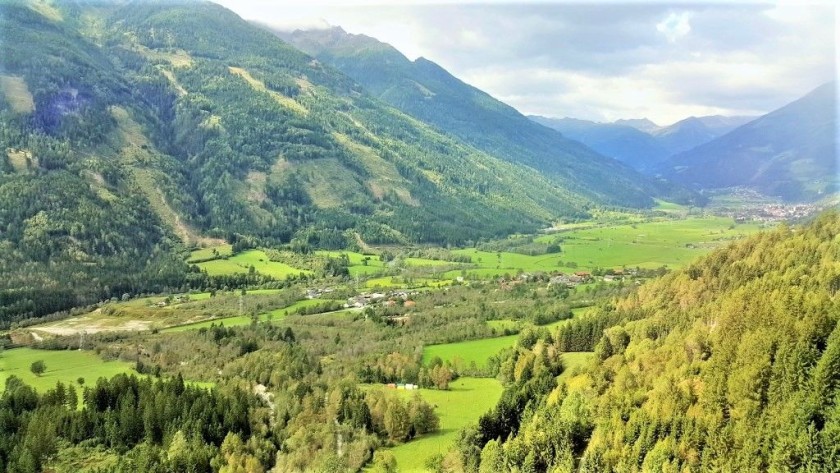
(730,364)
(322,375)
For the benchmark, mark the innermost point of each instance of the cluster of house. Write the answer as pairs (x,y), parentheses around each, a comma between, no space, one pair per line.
(570,280)
(173,300)
(316,293)
(771,213)
(390,298)
(563,279)
(406,386)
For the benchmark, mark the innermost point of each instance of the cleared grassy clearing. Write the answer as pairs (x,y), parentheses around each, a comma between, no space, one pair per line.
(502,325)
(360,264)
(242,262)
(210,252)
(400,282)
(17,93)
(429,262)
(465,401)
(573,360)
(239,320)
(516,325)
(479,351)
(472,351)
(66,366)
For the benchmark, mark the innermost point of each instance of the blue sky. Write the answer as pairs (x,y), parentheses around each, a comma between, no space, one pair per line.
(599,60)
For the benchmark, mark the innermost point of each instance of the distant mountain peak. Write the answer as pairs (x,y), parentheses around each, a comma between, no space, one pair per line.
(641,124)
(789,152)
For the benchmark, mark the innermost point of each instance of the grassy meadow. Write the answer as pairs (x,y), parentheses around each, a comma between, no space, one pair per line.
(479,351)
(465,401)
(242,262)
(203,254)
(65,365)
(471,351)
(239,320)
(652,244)
(360,264)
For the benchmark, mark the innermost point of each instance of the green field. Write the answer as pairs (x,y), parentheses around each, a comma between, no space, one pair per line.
(504,324)
(242,262)
(477,351)
(425,262)
(207,253)
(239,320)
(399,282)
(465,401)
(671,243)
(64,365)
(358,265)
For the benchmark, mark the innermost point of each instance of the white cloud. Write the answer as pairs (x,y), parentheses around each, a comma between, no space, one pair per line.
(675,26)
(600,61)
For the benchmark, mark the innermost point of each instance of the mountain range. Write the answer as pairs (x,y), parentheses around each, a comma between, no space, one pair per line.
(429,93)
(641,143)
(789,153)
(130,131)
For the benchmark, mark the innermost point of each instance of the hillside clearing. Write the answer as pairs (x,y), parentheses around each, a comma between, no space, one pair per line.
(242,262)
(465,401)
(17,93)
(66,366)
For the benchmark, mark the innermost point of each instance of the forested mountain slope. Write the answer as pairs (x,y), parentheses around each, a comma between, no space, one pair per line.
(129,129)
(790,152)
(429,93)
(732,364)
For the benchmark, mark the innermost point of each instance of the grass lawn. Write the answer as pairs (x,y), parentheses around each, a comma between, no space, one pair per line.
(242,262)
(64,365)
(428,262)
(477,351)
(466,400)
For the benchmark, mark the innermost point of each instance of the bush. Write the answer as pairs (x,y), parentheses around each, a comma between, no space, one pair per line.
(38,367)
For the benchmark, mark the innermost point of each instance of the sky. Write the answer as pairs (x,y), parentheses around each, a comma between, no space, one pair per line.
(599,61)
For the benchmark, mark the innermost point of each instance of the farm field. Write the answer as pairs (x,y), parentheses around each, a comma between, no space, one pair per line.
(400,282)
(239,320)
(211,252)
(63,365)
(479,351)
(502,325)
(358,266)
(671,243)
(242,262)
(465,401)
(144,314)
(471,351)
